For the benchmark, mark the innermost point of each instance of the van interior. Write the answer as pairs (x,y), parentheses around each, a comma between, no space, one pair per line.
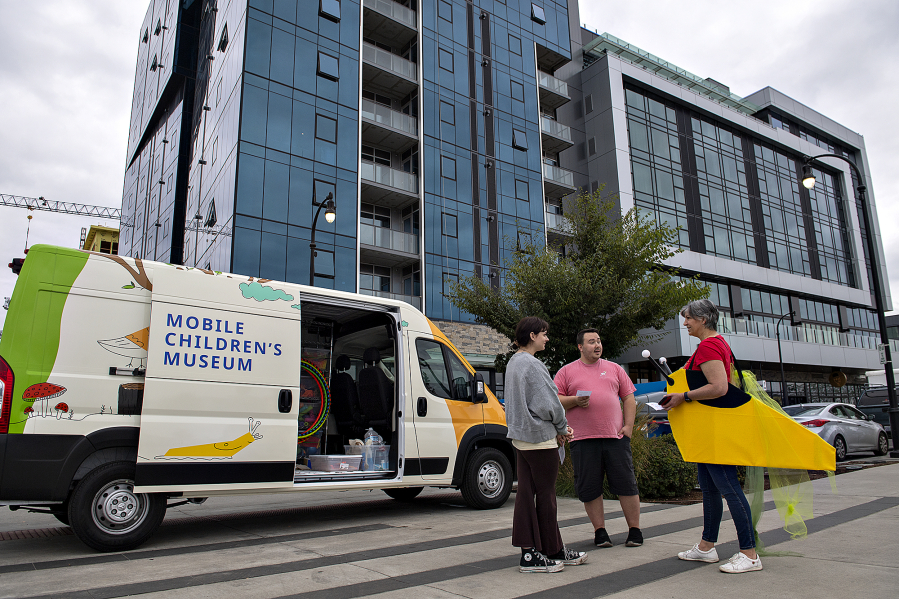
(355,352)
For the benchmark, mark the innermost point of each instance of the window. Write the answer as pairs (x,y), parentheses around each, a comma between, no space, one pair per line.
(448,168)
(460,377)
(223,40)
(374,278)
(375,216)
(445,10)
(514,45)
(450,225)
(330,9)
(537,14)
(321,190)
(211,217)
(410,220)
(412,280)
(370,154)
(591,146)
(146,37)
(170,182)
(517,91)
(155,64)
(588,104)
(328,66)
(448,280)
(325,128)
(433,368)
(218,93)
(447,113)
(524,241)
(215,146)
(519,139)
(158,29)
(445,60)
(521,190)
(376,98)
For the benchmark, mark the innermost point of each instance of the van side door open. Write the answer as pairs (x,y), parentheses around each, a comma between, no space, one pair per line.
(222,384)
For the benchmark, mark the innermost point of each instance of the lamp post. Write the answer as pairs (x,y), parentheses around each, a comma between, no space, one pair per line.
(808,180)
(330,215)
(780,356)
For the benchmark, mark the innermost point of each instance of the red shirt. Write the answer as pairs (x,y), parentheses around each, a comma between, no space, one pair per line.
(712,348)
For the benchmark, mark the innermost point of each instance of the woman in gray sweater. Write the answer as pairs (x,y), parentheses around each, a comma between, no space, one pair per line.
(537,426)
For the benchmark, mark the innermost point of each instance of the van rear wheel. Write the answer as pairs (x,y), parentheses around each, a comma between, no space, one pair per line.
(487,481)
(106,513)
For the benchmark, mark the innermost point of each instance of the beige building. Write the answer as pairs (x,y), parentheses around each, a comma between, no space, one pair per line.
(104,240)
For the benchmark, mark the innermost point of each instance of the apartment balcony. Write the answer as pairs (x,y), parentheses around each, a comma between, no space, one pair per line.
(558,223)
(557,182)
(555,136)
(412,300)
(387,73)
(388,239)
(388,187)
(387,128)
(553,92)
(390,20)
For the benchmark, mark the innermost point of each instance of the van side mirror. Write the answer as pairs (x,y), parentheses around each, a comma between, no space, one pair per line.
(478,390)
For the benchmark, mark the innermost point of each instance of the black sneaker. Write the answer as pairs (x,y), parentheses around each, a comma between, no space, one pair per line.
(601,538)
(534,561)
(570,557)
(634,538)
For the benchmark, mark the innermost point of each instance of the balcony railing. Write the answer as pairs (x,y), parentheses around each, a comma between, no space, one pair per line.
(387,238)
(412,300)
(394,10)
(557,222)
(378,173)
(804,333)
(555,128)
(558,175)
(391,118)
(554,85)
(389,62)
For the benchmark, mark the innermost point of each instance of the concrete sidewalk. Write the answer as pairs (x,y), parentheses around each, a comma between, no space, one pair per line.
(357,544)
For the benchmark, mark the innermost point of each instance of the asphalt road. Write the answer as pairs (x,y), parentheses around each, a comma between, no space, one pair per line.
(357,544)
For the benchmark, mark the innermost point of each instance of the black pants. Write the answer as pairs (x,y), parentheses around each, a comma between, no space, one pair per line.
(534,522)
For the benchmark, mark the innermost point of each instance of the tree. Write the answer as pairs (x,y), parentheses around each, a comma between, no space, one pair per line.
(610,276)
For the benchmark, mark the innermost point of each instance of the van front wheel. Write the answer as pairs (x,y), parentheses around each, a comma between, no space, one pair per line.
(106,513)
(487,480)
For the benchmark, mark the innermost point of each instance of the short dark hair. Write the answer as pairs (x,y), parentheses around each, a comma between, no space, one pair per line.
(526,326)
(582,332)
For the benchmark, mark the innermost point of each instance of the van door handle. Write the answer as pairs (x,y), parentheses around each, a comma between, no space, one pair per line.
(285,401)
(422,406)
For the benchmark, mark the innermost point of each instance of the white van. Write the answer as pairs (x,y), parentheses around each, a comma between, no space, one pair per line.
(127,385)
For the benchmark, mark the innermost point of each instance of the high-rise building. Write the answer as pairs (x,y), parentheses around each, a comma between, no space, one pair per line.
(448,133)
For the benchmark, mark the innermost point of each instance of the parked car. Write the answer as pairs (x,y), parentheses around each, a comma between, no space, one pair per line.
(843,426)
(875,402)
(648,396)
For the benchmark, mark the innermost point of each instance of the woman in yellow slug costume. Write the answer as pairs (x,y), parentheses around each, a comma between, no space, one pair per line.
(713,358)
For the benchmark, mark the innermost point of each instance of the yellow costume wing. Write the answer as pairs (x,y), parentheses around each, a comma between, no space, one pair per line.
(739,429)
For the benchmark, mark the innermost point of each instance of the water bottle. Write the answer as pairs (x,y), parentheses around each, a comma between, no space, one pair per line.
(372,438)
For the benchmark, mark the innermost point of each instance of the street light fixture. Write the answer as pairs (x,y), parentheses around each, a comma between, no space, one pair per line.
(330,216)
(808,180)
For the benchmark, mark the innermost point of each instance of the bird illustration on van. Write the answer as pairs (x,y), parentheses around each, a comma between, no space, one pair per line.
(133,346)
(222,450)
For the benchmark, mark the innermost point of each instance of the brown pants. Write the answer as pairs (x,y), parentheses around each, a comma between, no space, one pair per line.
(534,522)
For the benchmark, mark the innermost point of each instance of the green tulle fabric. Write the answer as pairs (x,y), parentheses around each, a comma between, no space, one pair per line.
(791,489)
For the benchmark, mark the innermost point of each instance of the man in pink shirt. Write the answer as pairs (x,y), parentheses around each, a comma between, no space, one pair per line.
(598,397)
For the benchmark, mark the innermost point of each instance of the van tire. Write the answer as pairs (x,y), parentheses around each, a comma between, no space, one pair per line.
(95,515)
(404,493)
(487,480)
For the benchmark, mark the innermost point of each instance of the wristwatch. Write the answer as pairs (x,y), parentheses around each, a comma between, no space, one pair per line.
(686,398)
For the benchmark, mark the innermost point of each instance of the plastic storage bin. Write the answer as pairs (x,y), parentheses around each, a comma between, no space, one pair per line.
(375,457)
(335,463)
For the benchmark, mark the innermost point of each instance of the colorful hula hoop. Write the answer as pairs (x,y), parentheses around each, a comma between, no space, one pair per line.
(324,393)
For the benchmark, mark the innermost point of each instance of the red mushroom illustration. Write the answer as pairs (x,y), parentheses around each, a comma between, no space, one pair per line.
(29,411)
(43,392)
(61,408)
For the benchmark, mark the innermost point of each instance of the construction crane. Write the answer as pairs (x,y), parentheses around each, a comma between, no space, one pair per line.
(41,203)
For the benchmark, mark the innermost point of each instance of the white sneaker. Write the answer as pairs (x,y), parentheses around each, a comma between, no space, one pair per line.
(741,563)
(697,555)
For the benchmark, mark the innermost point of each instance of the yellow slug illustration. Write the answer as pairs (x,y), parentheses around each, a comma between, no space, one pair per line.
(224,449)
(739,429)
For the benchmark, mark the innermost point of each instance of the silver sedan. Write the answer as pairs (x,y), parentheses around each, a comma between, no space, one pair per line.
(841,425)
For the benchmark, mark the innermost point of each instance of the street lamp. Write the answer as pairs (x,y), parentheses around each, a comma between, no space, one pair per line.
(330,215)
(783,377)
(808,180)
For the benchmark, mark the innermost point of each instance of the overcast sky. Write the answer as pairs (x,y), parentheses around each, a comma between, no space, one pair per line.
(67,75)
